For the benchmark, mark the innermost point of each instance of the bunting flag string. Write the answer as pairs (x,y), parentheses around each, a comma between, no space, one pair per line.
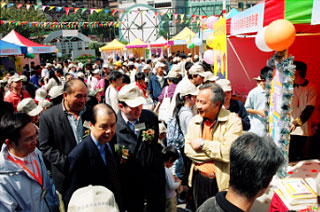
(60,25)
(92,10)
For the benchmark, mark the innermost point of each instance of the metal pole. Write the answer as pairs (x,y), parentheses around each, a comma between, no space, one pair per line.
(224,8)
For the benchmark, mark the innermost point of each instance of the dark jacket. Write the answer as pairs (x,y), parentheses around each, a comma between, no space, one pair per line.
(155,88)
(219,203)
(142,173)
(237,107)
(56,140)
(86,167)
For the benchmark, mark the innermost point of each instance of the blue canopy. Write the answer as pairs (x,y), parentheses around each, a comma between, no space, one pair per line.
(11,49)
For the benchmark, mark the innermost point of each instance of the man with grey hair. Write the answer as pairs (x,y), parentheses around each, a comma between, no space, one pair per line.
(208,141)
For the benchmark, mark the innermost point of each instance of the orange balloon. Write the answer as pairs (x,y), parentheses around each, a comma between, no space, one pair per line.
(280,35)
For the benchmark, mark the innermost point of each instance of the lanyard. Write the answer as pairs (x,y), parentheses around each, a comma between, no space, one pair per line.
(39,179)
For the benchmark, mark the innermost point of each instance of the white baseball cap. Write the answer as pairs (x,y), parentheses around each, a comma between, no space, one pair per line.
(210,77)
(189,89)
(40,94)
(131,95)
(224,84)
(197,69)
(55,91)
(160,65)
(93,199)
(15,78)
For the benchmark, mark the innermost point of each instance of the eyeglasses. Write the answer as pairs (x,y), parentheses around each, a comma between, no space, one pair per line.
(31,139)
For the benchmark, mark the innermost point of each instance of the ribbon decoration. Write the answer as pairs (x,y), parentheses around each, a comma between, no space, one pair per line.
(97,24)
(76,9)
(114,12)
(67,9)
(19,5)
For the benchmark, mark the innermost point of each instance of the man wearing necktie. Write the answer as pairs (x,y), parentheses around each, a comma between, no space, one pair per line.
(94,161)
(142,169)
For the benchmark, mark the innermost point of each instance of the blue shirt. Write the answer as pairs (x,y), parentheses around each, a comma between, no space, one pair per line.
(101,148)
(256,100)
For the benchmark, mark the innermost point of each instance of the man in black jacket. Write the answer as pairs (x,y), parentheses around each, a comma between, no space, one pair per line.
(61,129)
(141,168)
(94,161)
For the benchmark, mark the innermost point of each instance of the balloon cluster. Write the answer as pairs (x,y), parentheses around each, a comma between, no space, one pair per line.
(197,41)
(208,56)
(210,21)
(29,55)
(278,36)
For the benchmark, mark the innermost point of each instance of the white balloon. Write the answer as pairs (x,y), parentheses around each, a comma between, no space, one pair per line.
(260,42)
(30,50)
(197,41)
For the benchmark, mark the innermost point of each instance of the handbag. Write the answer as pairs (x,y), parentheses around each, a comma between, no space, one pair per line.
(164,107)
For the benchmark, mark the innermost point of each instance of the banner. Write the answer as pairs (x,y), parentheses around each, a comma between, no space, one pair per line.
(250,20)
(315,17)
(279,92)
(276,94)
(220,49)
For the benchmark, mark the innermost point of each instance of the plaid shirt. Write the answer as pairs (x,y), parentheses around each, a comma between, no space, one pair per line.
(76,124)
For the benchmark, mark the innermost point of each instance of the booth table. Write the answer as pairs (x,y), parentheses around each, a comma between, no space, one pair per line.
(272,202)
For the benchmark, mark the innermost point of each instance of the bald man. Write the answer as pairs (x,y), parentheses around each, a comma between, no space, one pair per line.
(94,161)
(61,129)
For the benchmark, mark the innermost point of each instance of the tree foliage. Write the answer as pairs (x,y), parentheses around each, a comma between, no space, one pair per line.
(23,15)
(104,33)
(13,14)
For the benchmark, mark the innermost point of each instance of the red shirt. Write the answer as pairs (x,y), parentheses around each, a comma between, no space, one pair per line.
(14,98)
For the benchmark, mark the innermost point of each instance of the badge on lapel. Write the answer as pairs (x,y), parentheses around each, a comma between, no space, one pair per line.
(148,135)
(123,152)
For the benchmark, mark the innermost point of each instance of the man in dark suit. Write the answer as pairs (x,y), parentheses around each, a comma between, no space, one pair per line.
(141,168)
(61,129)
(94,161)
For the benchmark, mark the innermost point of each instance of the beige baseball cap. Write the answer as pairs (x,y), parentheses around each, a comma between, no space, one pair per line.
(258,78)
(172,74)
(41,94)
(96,71)
(15,78)
(55,91)
(29,107)
(160,65)
(131,95)
(224,84)
(176,68)
(189,89)
(197,69)
(210,77)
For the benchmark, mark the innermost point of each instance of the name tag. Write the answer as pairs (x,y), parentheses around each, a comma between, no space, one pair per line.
(140,126)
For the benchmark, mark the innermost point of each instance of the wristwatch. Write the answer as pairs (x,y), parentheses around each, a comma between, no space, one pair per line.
(201,143)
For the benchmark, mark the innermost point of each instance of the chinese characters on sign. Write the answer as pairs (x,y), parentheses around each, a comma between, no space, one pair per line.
(250,20)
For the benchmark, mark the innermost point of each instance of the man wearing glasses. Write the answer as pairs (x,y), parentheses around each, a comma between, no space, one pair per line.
(24,182)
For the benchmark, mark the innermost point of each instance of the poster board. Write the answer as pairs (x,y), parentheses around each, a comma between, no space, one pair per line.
(220,49)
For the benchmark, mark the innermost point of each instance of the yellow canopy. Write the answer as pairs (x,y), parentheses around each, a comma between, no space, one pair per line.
(137,43)
(185,34)
(114,45)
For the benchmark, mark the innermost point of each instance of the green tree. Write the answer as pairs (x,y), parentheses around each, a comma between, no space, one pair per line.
(24,15)
(105,33)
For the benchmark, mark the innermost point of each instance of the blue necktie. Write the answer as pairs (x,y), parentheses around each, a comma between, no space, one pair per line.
(131,125)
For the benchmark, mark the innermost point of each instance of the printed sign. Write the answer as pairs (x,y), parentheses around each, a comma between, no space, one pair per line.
(250,20)
(220,49)
(315,18)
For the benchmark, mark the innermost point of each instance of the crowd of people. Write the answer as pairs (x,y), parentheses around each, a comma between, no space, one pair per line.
(154,132)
